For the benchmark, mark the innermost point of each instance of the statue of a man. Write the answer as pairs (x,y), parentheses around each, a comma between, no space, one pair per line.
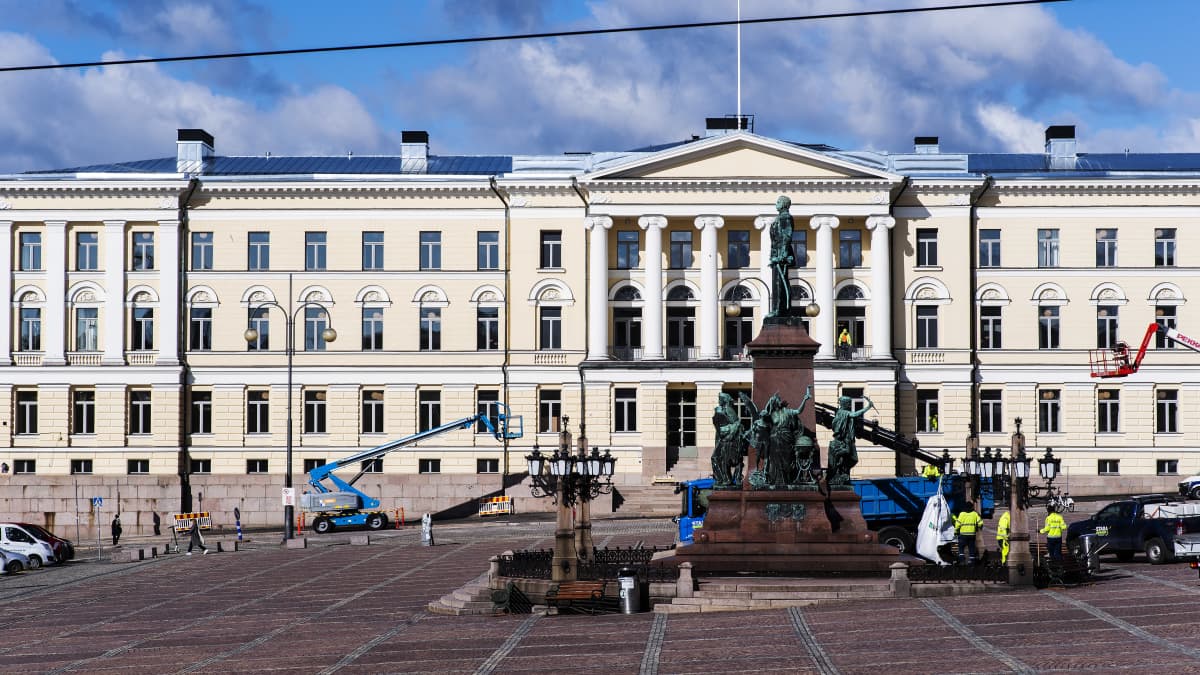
(843,453)
(729,449)
(773,435)
(781,259)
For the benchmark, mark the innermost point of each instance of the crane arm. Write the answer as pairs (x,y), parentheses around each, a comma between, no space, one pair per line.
(1182,339)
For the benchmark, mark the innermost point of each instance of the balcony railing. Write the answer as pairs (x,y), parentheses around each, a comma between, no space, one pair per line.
(682,353)
(141,358)
(860,353)
(926,357)
(626,353)
(27,358)
(547,358)
(84,358)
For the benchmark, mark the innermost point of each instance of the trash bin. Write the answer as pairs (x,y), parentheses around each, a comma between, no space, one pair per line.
(1091,553)
(631,592)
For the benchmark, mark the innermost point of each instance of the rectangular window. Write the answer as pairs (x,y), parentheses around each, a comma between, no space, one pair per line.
(799,247)
(259,320)
(372,251)
(989,328)
(258,412)
(989,248)
(1166,467)
(83,411)
(487,465)
(1106,326)
(139,412)
(202,250)
(314,412)
(1048,328)
(429,466)
(625,409)
(81,467)
(550,328)
(21,466)
(1108,411)
(372,329)
(1166,411)
(201,418)
(1164,247)
(738,249)
(849,248)
(87,251)
(141,338)
(927,326)
(551,251)
(31,251)
(1164,315)
(311,463)
(487,404)
(681,249)
(1108,467)
(316,320)
(627,333)
(372,411)
(143,250)
(314,250)
(372,465)
(27,412)
(927,410)
(1106,247)
(200,329)
(927,240)
(136,466)
(488,250)
(431,251)
(1049,411)
(991,412)
(87,329)
(258,251)
(628,249)
(1047,247)
(200,466)
(429,409)
(549,411)
(257,466)
(487,328)
(31,330)
(431,329)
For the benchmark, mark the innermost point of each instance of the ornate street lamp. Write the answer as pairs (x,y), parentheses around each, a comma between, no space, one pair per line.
(947,462)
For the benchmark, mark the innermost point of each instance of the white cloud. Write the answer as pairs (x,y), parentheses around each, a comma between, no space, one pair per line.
(1014,132)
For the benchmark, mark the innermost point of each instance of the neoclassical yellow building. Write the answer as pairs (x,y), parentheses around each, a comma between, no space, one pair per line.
(611,289)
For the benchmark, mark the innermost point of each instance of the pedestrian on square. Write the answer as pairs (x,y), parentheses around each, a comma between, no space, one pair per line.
(1053,529)
(967,524)
(116,529)
(195,538)
(157,524)
(1002,535)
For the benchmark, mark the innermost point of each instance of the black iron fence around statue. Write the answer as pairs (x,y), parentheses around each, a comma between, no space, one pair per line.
(604,565)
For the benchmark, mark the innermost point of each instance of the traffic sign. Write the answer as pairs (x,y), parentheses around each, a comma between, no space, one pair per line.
(97,501)
(289,496)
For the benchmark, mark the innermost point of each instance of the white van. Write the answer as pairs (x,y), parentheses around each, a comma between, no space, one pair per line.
(16,538)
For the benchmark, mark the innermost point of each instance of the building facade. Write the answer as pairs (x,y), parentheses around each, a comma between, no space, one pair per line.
(612,290)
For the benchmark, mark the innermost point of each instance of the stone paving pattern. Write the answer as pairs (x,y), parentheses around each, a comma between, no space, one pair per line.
(352,609)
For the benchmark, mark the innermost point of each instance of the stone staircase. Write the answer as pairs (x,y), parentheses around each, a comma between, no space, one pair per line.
(658,499)
(474,598)
(727,594)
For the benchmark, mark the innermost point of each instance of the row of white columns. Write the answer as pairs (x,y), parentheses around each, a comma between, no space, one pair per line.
(55,313)
(652,316)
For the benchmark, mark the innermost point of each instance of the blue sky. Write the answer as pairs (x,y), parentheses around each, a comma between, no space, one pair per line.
(981,80)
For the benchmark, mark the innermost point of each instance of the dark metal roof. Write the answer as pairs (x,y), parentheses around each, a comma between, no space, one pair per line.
(995,163)
(280,166)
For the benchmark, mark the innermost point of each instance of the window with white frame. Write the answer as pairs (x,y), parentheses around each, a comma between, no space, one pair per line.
(431,250)
(1106,247)
(200,329)
(87,251)
(431,329)
(1108,467)
(202,250)
(23,466)
(549,410)
(372,329)
(625,409)
(31,329)
(315,250)
(143,251)
(1164,247)
(141,337)
(139,411)
(87,329)
(201,413)
(1047,247)
(1106,326)
(628,249)
(258,411)
(991,411)
(927,326)
(927,410)
(314,411)
(137,466)
(487,328)
(258,251)
(1166,467)
(83,411)
(989,248)
(374,465)
(316,320)
(927,247)
(1166,411)
(1164,316)
(372,411)
(737,255)
(1050,411)
(1108,411)
(27,412)
(31,251)
(487,404)
(257,466)
(551,250)
(372,251)
(81,467)
(849,248)
(259,320)
(549,327)
(487,465)
(201,466)
(800,248)
(1048,327)
(990,327)
(681,249)
(427,465)
(487,250)
(429,409)
(311,463)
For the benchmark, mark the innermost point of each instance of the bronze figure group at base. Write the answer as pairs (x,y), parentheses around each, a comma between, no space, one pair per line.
(787,453)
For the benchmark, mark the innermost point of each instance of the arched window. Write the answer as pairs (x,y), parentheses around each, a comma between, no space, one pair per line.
(851,292)
(627,294)
(680,294)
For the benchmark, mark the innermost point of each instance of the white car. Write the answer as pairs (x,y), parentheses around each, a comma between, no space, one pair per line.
(12,562)
(15,538)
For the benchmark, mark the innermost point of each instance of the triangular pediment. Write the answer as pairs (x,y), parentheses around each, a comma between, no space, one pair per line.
(738,155)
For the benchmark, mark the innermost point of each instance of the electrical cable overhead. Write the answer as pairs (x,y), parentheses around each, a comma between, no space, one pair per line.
(526,36)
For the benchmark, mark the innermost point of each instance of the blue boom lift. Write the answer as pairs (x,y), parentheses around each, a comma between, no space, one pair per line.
(345,505)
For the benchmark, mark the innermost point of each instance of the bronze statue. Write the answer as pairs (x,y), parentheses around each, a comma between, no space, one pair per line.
(774,435)
(730,447)
(843,454)
(781,259)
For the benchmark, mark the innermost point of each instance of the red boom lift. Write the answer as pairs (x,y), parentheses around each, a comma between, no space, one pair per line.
(1118,362)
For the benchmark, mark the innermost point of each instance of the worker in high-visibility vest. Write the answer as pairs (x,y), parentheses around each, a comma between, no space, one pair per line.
(931,471)
(844,343)
(967,524)
(1053,529)
(1002,535)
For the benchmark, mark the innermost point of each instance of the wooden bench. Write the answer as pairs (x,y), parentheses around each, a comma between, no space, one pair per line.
(581,597)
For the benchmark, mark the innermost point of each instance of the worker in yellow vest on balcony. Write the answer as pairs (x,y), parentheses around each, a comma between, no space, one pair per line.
(844,345)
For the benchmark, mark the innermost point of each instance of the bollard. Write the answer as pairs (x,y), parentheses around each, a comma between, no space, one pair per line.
(427,530)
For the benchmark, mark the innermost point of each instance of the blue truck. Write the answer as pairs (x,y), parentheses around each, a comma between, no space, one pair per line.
(1152,524)
(891,506)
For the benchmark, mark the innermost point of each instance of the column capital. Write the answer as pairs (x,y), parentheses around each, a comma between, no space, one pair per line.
(647,222)
(704,222)
(763,222)
(592,222)
(818,222)
(881,222)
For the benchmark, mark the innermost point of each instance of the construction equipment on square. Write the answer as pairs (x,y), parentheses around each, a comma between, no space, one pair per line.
(183,521)
(495,506)
(1119,361)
